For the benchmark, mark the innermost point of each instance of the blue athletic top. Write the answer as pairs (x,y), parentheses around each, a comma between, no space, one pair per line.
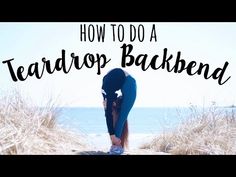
(112,82)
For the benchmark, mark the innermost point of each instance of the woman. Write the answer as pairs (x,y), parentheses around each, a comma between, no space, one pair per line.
(114,80)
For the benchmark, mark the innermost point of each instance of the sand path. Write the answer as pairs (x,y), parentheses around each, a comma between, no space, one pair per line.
(128,152)
(100,144)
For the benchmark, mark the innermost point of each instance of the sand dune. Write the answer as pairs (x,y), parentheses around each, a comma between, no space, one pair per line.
(25,129)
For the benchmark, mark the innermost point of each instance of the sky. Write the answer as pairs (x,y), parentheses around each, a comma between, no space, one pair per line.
(212,43)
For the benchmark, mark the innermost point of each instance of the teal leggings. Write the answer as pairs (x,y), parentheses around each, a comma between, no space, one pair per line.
(128,98)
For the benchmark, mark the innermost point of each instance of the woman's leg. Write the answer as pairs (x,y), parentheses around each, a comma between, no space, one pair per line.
(128,98)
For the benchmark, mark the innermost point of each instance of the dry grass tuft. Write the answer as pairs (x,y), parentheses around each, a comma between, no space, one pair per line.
(211,131)
(25,129)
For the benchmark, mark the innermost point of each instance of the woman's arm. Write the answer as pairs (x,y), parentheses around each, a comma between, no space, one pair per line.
(108,114)
(114,139)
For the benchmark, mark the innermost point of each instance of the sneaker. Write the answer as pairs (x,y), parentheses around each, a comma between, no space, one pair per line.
(116,150)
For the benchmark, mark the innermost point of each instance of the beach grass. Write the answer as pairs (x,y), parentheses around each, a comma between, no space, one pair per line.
(28,129)
(210,131)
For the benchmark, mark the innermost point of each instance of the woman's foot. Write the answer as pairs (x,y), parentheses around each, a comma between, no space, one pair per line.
(116,150)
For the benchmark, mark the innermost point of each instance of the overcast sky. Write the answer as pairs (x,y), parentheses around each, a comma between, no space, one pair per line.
(212,43)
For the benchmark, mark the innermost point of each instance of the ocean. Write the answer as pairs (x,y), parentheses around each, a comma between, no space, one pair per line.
(141,120)
(144,123)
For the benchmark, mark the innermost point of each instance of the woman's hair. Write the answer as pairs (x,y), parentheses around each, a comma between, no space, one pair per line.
(116,111)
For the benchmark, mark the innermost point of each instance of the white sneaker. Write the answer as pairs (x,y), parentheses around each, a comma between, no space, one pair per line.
(116,150)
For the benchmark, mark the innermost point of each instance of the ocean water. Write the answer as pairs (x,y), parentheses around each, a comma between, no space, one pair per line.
(144,123)
(141,120)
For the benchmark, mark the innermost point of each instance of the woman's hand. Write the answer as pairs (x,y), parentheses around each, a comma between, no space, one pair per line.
(105,103)
(115,140)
